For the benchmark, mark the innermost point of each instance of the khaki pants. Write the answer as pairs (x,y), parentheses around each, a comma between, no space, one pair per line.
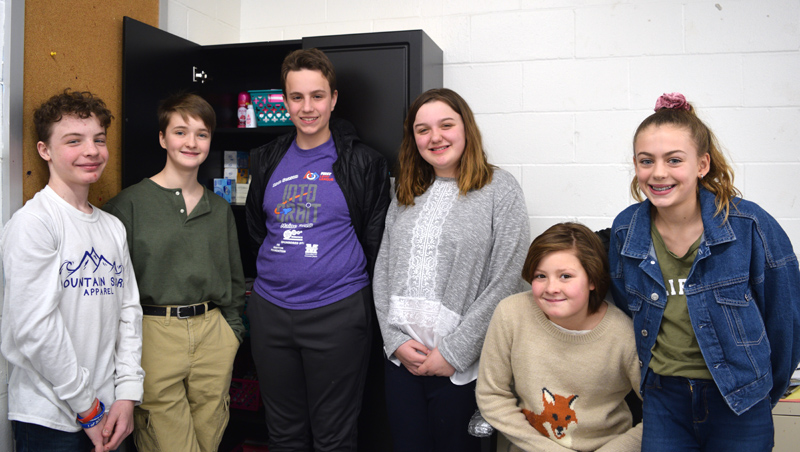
(188,364)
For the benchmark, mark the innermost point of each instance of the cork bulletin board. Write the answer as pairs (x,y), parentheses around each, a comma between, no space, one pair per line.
(76,44)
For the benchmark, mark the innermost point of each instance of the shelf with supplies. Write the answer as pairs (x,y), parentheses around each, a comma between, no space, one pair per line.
(244,132)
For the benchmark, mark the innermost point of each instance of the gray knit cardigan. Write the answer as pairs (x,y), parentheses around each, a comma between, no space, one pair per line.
(482,244)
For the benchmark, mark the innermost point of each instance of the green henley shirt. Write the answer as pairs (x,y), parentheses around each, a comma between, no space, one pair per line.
(182,259)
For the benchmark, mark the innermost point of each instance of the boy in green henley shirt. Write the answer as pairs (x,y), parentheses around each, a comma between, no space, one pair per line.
(185,253)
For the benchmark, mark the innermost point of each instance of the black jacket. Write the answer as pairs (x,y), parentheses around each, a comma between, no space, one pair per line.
(361,172)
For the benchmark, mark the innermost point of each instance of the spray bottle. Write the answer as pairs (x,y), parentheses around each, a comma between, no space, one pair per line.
(241,113)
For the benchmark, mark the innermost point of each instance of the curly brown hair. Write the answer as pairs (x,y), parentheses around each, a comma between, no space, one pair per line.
(82,104)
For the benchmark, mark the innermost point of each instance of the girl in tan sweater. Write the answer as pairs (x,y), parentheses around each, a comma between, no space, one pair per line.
(558,361)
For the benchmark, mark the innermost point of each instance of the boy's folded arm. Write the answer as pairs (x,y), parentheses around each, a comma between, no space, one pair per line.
(34,322)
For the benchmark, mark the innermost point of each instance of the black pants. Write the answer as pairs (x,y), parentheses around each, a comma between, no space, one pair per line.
(429,414)
(311,368)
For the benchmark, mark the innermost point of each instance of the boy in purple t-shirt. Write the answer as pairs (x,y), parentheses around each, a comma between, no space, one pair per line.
(315,210)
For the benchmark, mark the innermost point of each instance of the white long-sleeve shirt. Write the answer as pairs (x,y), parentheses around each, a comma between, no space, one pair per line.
(72,322)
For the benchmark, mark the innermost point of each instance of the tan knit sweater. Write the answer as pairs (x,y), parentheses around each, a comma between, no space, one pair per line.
(527,362)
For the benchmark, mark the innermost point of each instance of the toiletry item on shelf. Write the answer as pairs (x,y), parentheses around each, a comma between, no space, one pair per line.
(225,188)
(241,113)
(242,175)
(229,159)
(241,193)
(235,159)
(243,159)
(251,117)
(230,173)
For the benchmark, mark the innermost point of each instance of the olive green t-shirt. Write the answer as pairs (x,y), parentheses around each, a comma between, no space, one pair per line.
(676,352)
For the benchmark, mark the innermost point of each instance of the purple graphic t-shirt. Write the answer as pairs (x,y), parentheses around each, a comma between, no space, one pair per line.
(311,256)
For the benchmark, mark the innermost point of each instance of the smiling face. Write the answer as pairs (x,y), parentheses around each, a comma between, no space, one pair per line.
(561,288)
(310,103)
(668,167)
(440,138)
(187,142)
(76,152)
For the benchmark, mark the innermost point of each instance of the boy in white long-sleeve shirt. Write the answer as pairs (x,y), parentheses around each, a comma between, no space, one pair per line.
(71,324)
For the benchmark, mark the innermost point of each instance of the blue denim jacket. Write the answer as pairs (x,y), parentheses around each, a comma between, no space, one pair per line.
(743,294)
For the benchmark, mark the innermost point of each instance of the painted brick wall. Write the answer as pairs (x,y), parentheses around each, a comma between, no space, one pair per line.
(559,86)
(204,21)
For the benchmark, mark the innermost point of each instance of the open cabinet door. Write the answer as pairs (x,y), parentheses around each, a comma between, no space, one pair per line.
(155,64)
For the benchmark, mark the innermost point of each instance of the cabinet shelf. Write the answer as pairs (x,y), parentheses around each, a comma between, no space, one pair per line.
(235,131)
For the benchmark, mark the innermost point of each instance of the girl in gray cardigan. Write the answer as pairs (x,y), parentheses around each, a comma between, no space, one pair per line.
(454,245)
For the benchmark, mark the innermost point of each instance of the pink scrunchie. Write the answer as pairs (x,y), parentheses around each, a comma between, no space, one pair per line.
(674,101)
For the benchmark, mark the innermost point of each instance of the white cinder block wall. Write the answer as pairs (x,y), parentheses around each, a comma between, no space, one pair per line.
(203,21)
(559,86)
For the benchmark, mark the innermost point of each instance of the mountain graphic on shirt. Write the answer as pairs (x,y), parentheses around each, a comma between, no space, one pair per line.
(93,261)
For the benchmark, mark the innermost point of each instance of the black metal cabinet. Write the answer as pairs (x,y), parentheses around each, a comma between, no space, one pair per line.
(378,76)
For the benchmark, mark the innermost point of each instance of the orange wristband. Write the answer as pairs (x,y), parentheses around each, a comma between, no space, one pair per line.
(91,414)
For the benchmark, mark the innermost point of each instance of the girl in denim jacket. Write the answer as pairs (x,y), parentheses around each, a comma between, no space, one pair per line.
(713,287)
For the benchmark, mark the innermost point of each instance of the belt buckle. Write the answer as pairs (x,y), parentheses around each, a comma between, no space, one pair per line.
(187,315)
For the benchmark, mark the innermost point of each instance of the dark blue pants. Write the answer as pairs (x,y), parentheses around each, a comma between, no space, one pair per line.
(37,438)
(682,414)
(311,367)
(429,414)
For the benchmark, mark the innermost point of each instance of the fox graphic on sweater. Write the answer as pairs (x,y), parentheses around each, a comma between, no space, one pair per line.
(556,417)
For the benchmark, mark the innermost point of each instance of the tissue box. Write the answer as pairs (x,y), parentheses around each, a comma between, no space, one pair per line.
(242,174)
(230,173)
(241,193)
(225,188)
(230,159)
(242,159)
(235,159)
